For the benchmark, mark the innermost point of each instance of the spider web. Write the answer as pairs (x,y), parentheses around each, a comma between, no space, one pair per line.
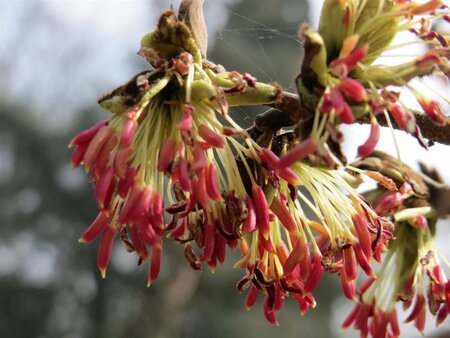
(259,34)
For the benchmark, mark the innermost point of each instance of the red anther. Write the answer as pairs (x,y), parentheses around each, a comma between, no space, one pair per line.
(352,89)
(220,247)
(201,194)
(282,252)
(363,260)
(269,158)
(182,67)
(105,248)
(347,17)
(104,156)
(348,286)
(351,318)
(128,182)
(354,57)
(418,306)
(138,242)
(78,154)
(316,273)
(87,135)
(269,314)
(289,176)
(103,187)
(147,232)
(362,230)
(183,172)
(95,146)
(261,210)
(367,148)
(297,254)
(298,153)
(179,230)
(155,263)
(404,120)
(302,303)
(156,213)
(209,243)
(185,123)
(251,297)
(433,110)
(96,227)
(427,60)
(421,319)
(121,162)
(211,182)
(212,263)
(167,154)
(340,66)
(128,132)
(250,222)
(346,115)
(210,136)
(127,209)
(393,321)
(420,222)
(200,160)
(441,315)
(350,266)
(141,205)
(388,202)
(282,212)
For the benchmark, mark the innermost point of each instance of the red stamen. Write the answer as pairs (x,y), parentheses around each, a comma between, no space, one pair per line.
(155,263)
(121,162)
(95,146)
(261,210)
(212,185)
(367,148)
(103,186)
(298,153)
(210,136)
(350,266)
(104,251)
(96,227)
(250,222)
(167,154)
(128,132)
(87,135)
(251,297)
(352,89)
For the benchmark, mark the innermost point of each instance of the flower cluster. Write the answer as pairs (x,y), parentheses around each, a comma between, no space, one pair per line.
(164,136)
(171,164)
(411,272)
(344,72)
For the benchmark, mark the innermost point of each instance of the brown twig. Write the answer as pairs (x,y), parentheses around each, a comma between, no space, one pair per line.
(288,111)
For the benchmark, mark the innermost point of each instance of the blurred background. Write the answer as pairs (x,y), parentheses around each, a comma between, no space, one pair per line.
(56,59)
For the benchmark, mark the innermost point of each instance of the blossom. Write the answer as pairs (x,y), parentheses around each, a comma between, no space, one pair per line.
(344,70)
(171,164)
(410,272)
(165,151)
(290,258)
